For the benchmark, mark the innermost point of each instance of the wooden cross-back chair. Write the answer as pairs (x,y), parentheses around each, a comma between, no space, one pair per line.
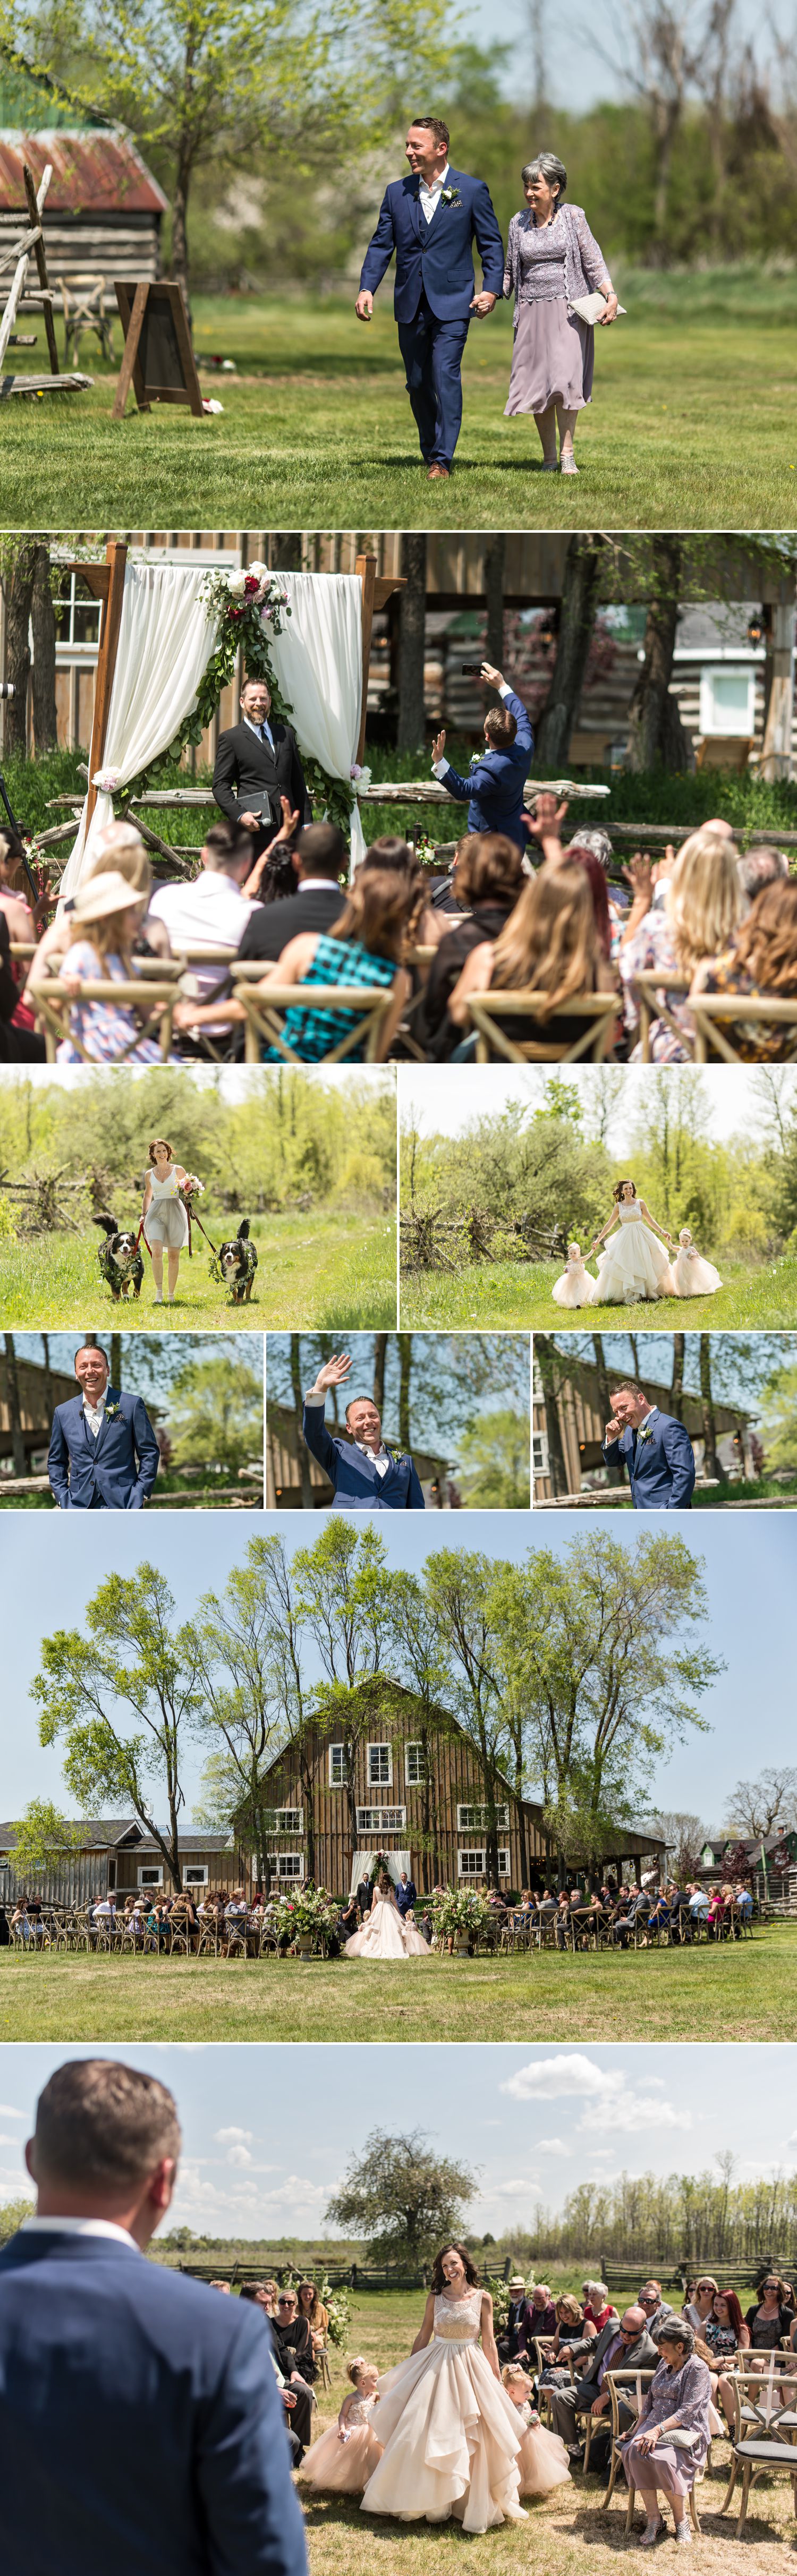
(764,2434)
(266,1008)
(599,1011)
(83,296)
(626,2387)
(152,1000)
(713,1016)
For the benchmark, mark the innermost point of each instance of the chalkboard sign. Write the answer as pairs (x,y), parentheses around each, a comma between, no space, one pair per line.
(158,358)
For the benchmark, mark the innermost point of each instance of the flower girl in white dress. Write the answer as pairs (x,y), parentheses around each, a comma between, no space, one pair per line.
(576,1286)
(544,2462)
(693,1276)
(342,2459)
(634,1265)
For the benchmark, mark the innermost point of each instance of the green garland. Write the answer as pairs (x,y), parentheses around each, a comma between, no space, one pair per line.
(239,601)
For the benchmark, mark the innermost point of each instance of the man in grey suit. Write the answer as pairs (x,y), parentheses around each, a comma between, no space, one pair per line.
(626,2346)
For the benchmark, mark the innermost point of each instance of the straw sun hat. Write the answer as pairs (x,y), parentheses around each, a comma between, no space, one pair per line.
(104,895)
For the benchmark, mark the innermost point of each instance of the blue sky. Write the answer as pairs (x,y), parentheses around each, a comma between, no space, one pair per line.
(268,2132)
(576,73)
(49,1568)
(437,1099)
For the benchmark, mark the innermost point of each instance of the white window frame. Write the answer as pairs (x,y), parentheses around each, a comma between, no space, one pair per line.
(338,1782)
(283,1820)
(473,1820)
(195,1874)
(288,1866)
(379,1778)
(539,1452)
(386,1820)
(711,721)
(415,1779)
(473,1863)
(150,1873)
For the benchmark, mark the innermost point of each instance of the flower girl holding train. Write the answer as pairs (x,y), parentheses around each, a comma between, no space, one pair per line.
(693,1276)
(544,2462)
(634,1265)
(576,1286)
(342,2459)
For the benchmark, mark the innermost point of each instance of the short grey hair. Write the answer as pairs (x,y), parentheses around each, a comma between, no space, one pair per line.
(594,840)
(675,2330)
(595,2289)
(546,165)
(759,867)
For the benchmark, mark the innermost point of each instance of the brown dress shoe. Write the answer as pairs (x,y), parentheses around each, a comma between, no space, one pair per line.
(438,474)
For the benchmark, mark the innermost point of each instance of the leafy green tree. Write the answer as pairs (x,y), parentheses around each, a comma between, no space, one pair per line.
(135,1670)
(42,1836)
(779,1419)
(459,1586)
(494,1470)
(408,2202)
(216,1414)
(13,2214)
(242,1708)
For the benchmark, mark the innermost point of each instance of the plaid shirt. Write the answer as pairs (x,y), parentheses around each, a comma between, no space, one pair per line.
(313,1034)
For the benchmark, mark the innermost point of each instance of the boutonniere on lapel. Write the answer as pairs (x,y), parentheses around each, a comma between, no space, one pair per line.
(111,1410)
(450,197)
(646,1431)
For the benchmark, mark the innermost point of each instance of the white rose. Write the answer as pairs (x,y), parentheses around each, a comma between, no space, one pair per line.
(236,583)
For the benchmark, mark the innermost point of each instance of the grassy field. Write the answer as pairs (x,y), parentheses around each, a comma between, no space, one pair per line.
(316,429)
(504,1295)
(744,1990)
(566,2531)
(314,1273)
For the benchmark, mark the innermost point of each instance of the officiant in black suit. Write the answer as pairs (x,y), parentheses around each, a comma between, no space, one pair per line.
(257,762)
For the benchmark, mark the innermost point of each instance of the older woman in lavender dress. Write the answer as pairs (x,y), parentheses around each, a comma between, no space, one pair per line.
(677,2403)
(552,260)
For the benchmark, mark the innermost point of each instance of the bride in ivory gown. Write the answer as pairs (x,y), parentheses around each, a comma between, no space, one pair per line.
(386,1934)
(634,1265)
(451,2437)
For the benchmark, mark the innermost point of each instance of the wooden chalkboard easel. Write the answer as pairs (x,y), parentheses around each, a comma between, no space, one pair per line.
(158,358)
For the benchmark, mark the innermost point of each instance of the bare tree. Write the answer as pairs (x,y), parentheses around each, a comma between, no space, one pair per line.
(412,644)
(683,1836)
(586,554)
(656,735)
(758,1805)
(535,21)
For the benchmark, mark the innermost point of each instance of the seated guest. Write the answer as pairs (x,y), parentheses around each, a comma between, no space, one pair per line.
(395,857)
(294,2339)
(117,846)
(770,2318)
(495,785)
(724,2335)
(296,2400)
(702,906)
(362,1471)
(105,915)
(622,2345)
(18,1040)
(542,2309)
(16,1043)
(677,2401)
(569,2331)
(317,862)
(699,2307)
(760,867)
(656,2307)
(513,2342)
(597,2307)
(364,946)
(549,945)
(316,2316)
(211,911)
(257,764)
(761,962)
(490,879)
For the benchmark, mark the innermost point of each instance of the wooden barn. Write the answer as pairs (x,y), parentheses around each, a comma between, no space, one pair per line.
(29,1393)
(104,209)
(411,1787)
(115,1854)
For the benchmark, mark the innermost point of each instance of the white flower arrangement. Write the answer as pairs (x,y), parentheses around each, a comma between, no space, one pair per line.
(209,403)
(107,780)
(360,777)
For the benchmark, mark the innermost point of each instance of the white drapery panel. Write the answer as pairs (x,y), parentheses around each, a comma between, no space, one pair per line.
(166,637)
(318,662)
(363,1864)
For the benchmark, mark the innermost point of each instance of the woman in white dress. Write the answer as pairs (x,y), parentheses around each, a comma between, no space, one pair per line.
(163,1213)
(341,2461)
(634,1265)
(451,2437)
(693,1276)
(386,1934)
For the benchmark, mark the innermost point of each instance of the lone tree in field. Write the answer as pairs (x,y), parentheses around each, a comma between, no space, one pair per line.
(122,1697)
(405,2200)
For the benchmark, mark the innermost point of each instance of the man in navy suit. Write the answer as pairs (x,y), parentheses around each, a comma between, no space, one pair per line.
(405,1893)
(103,1452)
(655,1448)
(431,220)
(141,2425)
(494,788)
(362,1470)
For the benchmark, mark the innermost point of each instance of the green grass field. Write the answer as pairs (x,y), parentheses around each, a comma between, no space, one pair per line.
(315,1273)
(506,1295)
(744,1990)
(567,2531)
(316,429)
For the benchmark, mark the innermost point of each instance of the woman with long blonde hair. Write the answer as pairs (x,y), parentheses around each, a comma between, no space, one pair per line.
(549,945)
(702,906)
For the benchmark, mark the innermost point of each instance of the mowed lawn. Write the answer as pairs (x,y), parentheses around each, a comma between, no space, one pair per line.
(315,1273)
(567,2531)
(504,1295)
(742,1990)
(316,429)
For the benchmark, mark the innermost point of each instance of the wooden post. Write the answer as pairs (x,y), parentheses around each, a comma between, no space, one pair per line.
(112,593)
(365,569)
(24,247)
(35,212)
(776,757)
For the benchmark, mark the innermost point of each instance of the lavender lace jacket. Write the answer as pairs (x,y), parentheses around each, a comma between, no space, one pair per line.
(585,266)
(685,2393)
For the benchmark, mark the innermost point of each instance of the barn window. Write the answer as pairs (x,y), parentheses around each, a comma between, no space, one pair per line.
(378,1820)
(414,1765)
(337,1766)
(286,1864)
(151,1877)
(474,1820)
(380,1766)
(473,1864)
(284,1820)
(195,1876)
(539,1452)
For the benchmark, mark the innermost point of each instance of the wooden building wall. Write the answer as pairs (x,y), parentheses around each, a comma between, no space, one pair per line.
(455,1781)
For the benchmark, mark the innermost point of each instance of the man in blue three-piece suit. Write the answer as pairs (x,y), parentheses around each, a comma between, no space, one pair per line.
(431,220)
(654,1447)
(495,786)
(141,2423)
(103,1454)
(364,1473)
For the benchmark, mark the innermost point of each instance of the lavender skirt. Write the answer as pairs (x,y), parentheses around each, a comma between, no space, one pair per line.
(552,359)
(669,2470)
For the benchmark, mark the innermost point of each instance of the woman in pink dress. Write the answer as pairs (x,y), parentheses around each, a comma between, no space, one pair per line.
(386,1934)
(451,2436)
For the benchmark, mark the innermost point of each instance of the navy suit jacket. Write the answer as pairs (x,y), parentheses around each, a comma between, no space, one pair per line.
(662,1468)
(355,1477)
(436,258)
(495,786)
(141,2427)
(405,1896)
(120,1465)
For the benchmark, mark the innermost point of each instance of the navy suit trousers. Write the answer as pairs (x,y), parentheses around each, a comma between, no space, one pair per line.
(432,352)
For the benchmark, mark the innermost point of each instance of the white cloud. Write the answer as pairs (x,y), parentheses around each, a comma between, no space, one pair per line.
(552,2147)
(234,2137)
(7,2112)
(577,2078)
(239,2156)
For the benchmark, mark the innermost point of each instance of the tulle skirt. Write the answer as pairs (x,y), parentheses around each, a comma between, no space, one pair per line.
(342,2468)
(544,2462)
(695,1277)
(634,1265)
(166,1222)
(384,1935)
(451,2442)
(575,1288)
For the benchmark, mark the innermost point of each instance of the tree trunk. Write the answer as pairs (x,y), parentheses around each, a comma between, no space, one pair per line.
(179,259)
(19,594)
(115,1356)
(48,1379)
(666,119)
(494,567)
(677,1389)
(411,731)
(304,1454)
(404,1341)
(656,736)
(710,1467)
(556,1455)
(615,1473)
(45,726)
(576,626)
(285,552)
(14,1407)
(380,1355)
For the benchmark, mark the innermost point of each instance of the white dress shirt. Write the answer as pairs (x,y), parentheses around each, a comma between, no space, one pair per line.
(440,766)
(208,911)
(80,2227)
(261,729)
(429,197)
(94,1414)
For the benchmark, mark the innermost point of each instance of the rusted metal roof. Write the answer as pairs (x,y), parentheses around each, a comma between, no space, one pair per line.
(93,174)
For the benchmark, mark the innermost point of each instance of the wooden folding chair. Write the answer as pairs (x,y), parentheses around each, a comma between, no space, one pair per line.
(85,309)
(621,2384)
(599,1011)
(710,1010)
(652,991)
(764,2437)
(266,1008)
(152,998)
